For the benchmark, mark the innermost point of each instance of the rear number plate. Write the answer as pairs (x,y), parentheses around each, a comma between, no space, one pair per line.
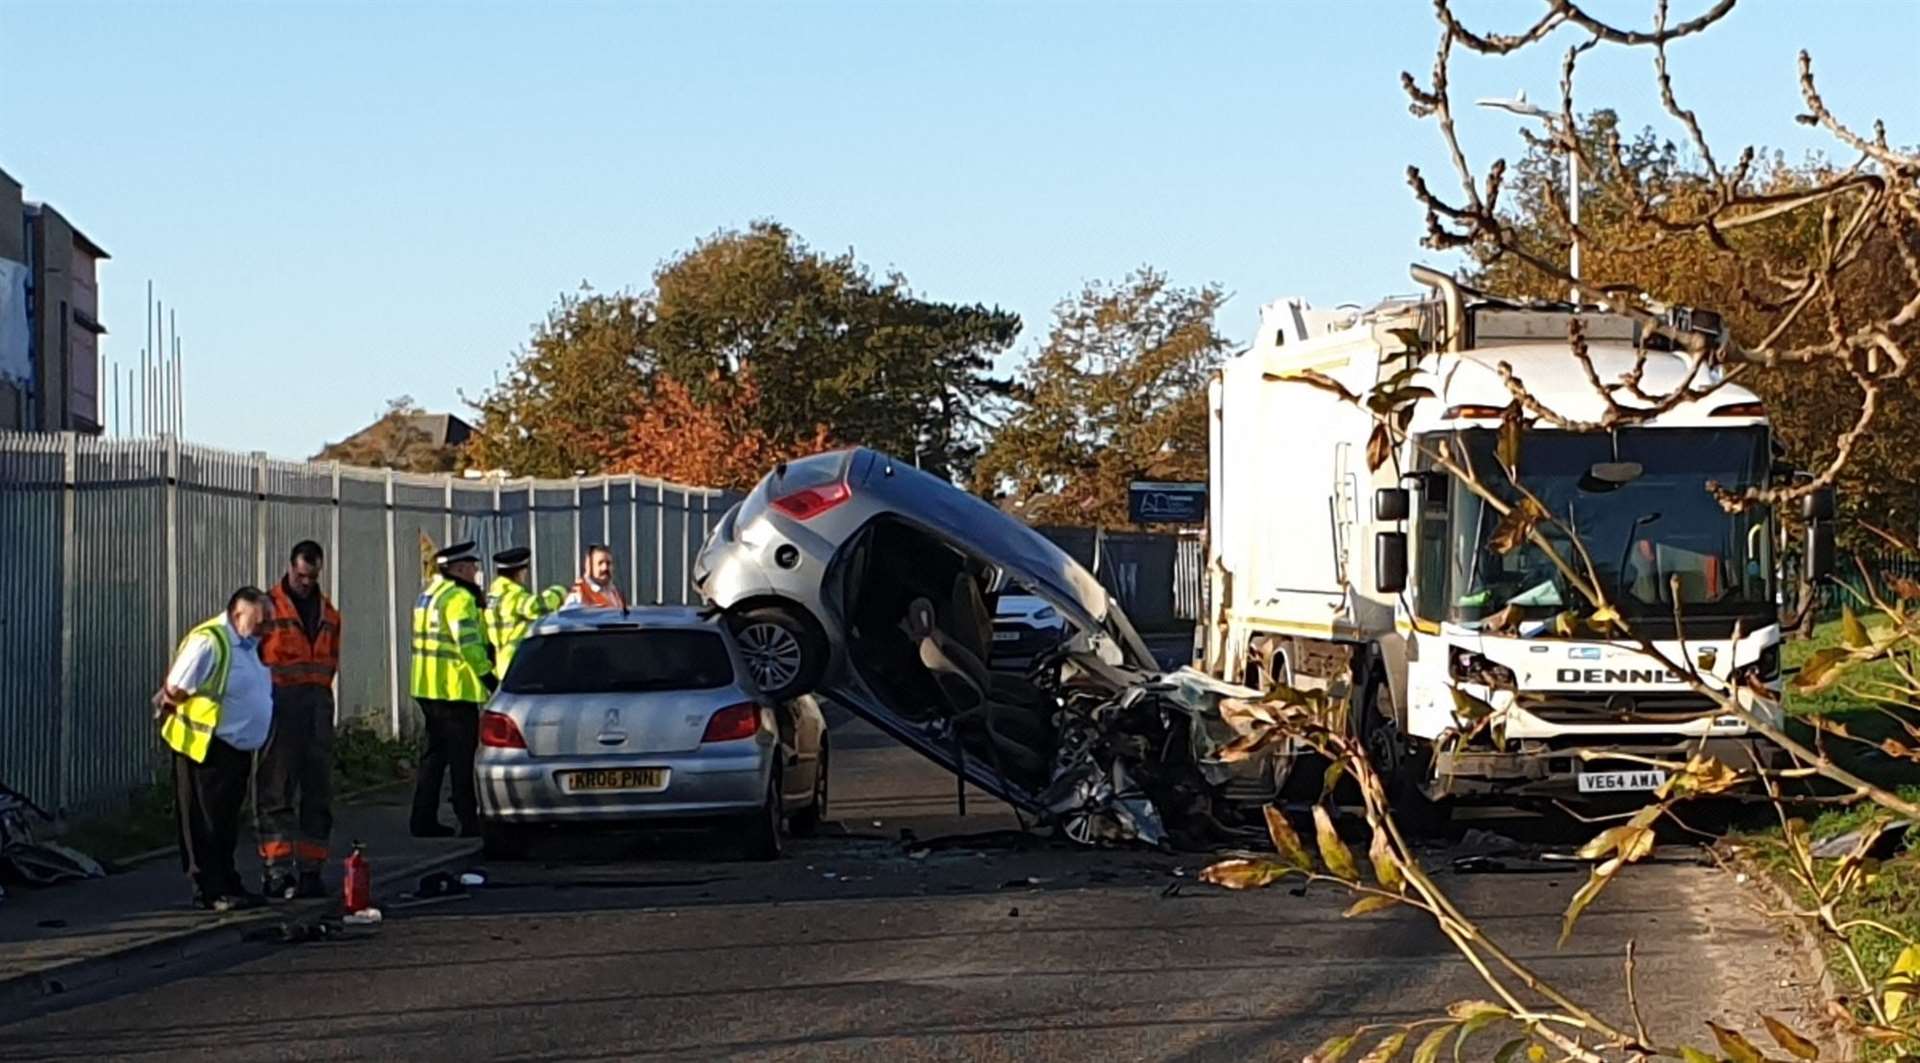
(612,779)
(1006,636)
(1606,782)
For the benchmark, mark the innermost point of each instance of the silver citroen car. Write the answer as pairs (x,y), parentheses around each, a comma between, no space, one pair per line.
(645,717)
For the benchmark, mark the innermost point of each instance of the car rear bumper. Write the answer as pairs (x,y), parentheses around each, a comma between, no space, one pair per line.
(1555,773)
(516,788)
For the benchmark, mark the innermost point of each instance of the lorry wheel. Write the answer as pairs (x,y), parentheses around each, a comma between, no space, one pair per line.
(1403,765)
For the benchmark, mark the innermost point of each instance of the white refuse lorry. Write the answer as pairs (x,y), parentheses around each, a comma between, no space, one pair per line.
(1324,574)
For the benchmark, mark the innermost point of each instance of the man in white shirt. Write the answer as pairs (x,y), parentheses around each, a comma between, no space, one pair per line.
(216,710)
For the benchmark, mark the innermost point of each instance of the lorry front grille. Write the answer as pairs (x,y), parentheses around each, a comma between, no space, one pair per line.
(1638,707)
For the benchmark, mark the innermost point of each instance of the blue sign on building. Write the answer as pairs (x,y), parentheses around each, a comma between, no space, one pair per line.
(1166,503)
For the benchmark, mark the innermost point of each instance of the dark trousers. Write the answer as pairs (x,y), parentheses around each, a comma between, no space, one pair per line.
(453,736)
(208,796)
(293,789)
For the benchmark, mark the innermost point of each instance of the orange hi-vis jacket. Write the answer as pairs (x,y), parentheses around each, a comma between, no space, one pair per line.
(284,646)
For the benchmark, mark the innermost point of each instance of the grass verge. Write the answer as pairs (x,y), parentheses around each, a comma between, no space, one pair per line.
(1892,894)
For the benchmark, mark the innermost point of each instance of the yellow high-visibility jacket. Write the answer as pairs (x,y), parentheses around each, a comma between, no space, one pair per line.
(450,656)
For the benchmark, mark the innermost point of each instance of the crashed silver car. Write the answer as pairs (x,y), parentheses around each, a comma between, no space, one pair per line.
(862,577)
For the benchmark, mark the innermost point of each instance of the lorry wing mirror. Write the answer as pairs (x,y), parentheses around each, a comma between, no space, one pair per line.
(1818,506)
(1820,562)
(1391,504)
(1390,562)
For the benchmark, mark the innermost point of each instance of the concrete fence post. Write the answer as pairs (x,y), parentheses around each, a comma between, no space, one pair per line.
(633,536)
(660,544)
(69,594)
(174,622)
(393,610)
(259,518)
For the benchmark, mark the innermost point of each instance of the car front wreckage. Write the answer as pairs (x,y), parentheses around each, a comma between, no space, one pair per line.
(873,583)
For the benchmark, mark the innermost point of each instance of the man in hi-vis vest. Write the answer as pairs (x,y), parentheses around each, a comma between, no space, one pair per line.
(452,677)
(215,709)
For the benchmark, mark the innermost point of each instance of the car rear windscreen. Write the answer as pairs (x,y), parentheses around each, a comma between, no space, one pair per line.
(619,662)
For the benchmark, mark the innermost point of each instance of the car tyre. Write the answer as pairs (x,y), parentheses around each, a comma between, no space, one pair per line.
(500,841)
(785,653)
(806,822)
(764,828)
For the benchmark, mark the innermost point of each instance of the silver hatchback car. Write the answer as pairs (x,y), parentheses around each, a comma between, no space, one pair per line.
(645,717)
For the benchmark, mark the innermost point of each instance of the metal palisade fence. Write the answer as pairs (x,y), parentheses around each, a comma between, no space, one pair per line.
(110,550)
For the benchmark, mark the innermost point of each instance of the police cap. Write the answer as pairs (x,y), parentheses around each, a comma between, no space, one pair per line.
(512,558)
(455,554)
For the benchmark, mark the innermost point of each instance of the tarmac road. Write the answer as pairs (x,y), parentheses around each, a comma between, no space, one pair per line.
(849,948)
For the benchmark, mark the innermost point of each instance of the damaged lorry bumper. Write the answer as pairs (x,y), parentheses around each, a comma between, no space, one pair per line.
(1544,771)
(875,583)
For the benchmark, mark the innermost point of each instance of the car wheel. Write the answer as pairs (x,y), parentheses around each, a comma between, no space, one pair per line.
(499,841)
(762,839)
(806,822)
(783,652)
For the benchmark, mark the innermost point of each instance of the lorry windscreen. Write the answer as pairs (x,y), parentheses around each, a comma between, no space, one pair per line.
(1656,532)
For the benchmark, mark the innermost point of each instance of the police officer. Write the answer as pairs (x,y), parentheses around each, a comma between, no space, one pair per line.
(452,677)
(511,607)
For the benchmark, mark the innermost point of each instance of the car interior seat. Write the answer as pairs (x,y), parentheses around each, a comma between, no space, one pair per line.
(1011,737)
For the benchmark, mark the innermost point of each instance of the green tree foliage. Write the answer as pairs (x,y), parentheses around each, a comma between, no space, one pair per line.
(563,405)
(395,441)
(830,345)
(1811,407)
(830,348)
(1118,393)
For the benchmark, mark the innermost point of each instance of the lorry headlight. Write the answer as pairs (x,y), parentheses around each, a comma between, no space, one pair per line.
(1476,668)
(1765,668)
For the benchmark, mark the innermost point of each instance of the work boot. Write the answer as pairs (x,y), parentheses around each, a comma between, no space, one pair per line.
(470,830)
(432,830)
(277,886)
(238,901)
(310,886)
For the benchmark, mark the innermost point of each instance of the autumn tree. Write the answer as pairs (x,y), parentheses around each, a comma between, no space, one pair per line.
(1118,393)
(715,441)
(1725,271)
(830,344)
(395,441)
(564,403)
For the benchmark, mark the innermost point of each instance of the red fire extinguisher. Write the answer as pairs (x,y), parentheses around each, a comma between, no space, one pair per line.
(359,881)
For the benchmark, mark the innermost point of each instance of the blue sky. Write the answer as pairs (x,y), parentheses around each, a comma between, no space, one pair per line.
(350,202)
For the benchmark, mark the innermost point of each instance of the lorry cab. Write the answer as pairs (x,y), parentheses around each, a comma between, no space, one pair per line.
(1339,560)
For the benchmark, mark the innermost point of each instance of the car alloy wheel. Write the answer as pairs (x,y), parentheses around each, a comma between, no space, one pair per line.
(773,654)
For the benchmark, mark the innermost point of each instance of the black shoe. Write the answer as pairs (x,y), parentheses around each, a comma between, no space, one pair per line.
(277,887)
(310,887)
(471,830)
(238,901)
(435,830)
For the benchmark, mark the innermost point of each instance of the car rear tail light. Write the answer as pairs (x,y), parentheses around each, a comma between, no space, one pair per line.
(733,723)
(498,731)
(809,502)
(1742,409)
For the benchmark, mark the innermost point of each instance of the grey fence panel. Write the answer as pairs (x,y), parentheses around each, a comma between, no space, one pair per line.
(650,519)
(89,566)
(119,621)
(299,506)
(32,501)
(555,542)
(673,548)
(421,524)
(219,536)
(363,694)
(476,521)
(619,535)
